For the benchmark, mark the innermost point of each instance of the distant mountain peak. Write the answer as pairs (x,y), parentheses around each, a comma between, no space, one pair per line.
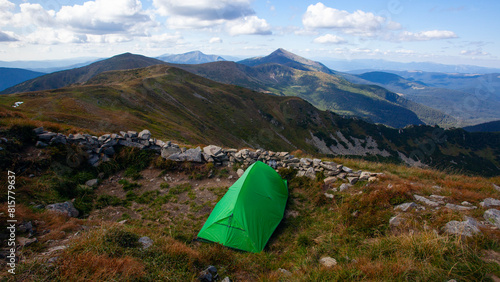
(192,57)
(287,58)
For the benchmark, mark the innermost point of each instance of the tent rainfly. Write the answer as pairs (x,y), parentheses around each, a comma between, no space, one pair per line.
(247,215)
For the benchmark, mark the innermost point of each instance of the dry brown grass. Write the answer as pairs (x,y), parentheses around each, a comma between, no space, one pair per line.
(92,267)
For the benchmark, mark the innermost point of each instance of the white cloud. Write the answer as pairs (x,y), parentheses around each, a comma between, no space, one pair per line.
(214,40)
(206,11)
(358,22)
(7,36)
(94,21)
(105,17)
(5,14)
(45,35)
(235,16)
(426,35)
(249,25)
(329,39)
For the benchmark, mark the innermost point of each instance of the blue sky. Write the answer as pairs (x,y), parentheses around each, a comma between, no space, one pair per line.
(451,32)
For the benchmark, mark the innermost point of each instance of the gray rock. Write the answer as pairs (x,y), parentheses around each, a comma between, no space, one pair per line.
(38,130)
(328,262)
(226,279)
(65,208)
(489,202)
(94,160)
(145,134)
(346,169)
(191,155)
(24,242)
(209,274)
(396,220)
(330,196)
(493,217)
(365,175)
(310,173)
(344,187)
(40,144)
(330,180)
(108,151)
(212,150)
(352,180)
(92,182)
(467,228)
(146,242)
(25,227)
(285,272)
(240,172)
(46,136)
(131,134)
(496,187)
(406,207)
(166,152)
(426,201)
(459,207)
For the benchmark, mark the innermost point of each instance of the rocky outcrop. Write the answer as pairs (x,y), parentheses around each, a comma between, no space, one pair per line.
(100,149)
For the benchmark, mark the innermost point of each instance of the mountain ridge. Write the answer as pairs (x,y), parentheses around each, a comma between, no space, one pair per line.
(193,57)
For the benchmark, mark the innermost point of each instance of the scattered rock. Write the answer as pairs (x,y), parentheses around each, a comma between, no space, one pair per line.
(330,180)
(166,152)
(212,150)
(24,242)
(146,242)
(352,180)
(92,182)
(25,227)
(226,279)
(406,207)
(285,272)
(240,172)
(344,187)
(467,228)
(310,173)
(209,274)
(396,220)
(66,208)
(145,134)
(330,196)
(328,262)
(489,202)
(426,201)
(41,144)
(459,207)
(496,187)
(493,217)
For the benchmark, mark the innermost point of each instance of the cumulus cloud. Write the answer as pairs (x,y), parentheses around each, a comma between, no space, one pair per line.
(329,39)
(426,35)
(249,25)
(237,16)
(7,37)
(214,40)
(358,22)
(105,17)
(93,21)
(364,24)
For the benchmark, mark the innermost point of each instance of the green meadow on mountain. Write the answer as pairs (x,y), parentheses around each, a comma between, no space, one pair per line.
(181,106)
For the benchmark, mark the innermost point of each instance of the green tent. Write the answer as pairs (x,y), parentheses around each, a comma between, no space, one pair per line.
(247,215)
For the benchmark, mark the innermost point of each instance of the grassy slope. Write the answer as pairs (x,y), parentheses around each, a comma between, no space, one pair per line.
(81,75)
(352,227)
(325,91)
(177,105)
